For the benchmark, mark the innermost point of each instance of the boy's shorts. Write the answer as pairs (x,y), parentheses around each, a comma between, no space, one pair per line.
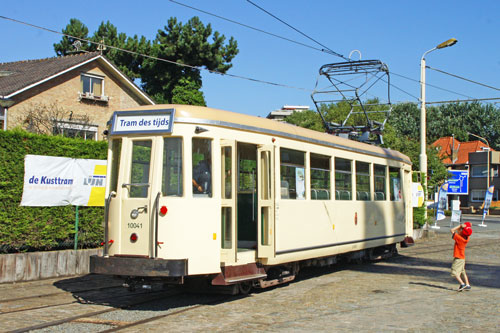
(457,267)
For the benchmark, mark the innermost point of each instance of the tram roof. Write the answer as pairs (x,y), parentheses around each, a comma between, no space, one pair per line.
(209,116)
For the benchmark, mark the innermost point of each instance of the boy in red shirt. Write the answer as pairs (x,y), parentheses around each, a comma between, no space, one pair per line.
(461,239)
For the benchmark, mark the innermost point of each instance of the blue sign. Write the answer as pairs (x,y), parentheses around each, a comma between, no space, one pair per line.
(458,183)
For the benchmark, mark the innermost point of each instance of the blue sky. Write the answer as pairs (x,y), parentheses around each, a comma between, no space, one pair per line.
(396,32)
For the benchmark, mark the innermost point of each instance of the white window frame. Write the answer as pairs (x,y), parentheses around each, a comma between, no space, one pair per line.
(86,128)
(93,76)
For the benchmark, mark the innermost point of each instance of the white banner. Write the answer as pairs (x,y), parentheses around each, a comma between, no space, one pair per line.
(60,181)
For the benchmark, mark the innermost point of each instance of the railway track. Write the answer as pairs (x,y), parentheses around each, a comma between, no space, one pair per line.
(166,303)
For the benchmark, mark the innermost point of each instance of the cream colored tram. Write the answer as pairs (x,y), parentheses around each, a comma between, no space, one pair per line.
(243,201)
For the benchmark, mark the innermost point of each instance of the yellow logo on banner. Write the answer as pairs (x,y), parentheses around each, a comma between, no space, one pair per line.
(97,193)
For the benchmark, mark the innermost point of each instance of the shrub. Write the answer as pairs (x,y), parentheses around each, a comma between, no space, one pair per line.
(43,228)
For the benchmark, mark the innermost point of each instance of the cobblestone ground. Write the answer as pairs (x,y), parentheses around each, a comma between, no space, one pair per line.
(412,292)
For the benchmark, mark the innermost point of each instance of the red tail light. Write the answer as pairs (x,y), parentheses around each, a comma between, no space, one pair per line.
(134,237)
(163,210)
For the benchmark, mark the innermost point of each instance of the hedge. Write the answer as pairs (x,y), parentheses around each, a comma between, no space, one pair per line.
(43,228)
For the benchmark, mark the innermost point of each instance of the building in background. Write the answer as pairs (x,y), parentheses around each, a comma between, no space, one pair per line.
(72,95)
(476,156)
(285,111)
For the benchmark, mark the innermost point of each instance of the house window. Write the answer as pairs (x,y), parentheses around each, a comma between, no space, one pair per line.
(478,195)
(75,130)
(92,85)
(479,171)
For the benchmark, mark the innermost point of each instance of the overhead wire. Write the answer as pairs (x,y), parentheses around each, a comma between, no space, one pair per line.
(300,32)
(248,26)
(157,58)
(462,78)
(311,47)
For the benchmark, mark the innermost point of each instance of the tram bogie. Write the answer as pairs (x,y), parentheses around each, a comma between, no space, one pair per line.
(198,193)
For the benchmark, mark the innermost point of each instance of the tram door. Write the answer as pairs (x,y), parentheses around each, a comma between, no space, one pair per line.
(265,212)
(134,192)
(228,202)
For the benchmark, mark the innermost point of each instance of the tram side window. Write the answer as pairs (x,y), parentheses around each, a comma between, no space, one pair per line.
(202,167)
(380,182)
(343,179)
(395,184)
(141,162)
(363,181)
(116,148)
(172,167)
(320,177)
(292,169)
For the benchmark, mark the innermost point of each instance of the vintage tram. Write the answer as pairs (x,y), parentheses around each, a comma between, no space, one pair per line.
(241,201)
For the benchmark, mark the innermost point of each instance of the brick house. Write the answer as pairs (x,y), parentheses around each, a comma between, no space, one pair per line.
(78,92)
(476,157)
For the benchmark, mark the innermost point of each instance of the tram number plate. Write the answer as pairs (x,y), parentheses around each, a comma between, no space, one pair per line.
(134,225)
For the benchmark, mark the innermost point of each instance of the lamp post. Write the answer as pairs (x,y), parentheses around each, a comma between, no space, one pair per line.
(487,160)
(423,131)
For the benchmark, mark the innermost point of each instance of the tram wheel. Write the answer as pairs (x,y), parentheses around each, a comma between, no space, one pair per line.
(245,287)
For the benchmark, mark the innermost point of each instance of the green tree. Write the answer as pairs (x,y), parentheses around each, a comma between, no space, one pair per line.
(187,44)
(78,31)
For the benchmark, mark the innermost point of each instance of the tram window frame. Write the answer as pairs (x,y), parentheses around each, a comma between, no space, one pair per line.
(393,171)
(292,174)
(201,171)
(380,182)
(320,183)
(166,179)
(363,181)
(135,166)
(227,163)
(343,175)
(116,149)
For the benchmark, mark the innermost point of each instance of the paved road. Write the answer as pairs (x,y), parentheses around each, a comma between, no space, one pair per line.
(412,292)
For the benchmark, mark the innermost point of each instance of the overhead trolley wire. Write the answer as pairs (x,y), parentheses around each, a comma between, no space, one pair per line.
(248,26)
(156,58)
(300,32)
(462,78)
(325,49)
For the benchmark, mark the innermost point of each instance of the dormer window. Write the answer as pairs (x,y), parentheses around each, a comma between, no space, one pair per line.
(92,87)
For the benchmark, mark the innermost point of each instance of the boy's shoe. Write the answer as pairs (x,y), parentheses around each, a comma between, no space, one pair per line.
(467,287)
(462,287)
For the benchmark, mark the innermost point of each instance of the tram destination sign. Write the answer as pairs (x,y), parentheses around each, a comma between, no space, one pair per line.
(458,183)
(147,121)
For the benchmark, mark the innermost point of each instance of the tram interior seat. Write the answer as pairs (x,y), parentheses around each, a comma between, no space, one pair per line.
(363,196)
(379,196)
(344,195)
(320,194)
(285,192)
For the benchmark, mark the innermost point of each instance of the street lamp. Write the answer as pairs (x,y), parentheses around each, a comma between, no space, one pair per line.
(423,153)
(487,149)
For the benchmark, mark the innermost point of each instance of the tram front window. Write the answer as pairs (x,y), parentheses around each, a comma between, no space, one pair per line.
(202,167)
(141,161)
(172,167)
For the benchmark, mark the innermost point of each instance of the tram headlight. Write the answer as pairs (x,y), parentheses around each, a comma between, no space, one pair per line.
(134,214)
